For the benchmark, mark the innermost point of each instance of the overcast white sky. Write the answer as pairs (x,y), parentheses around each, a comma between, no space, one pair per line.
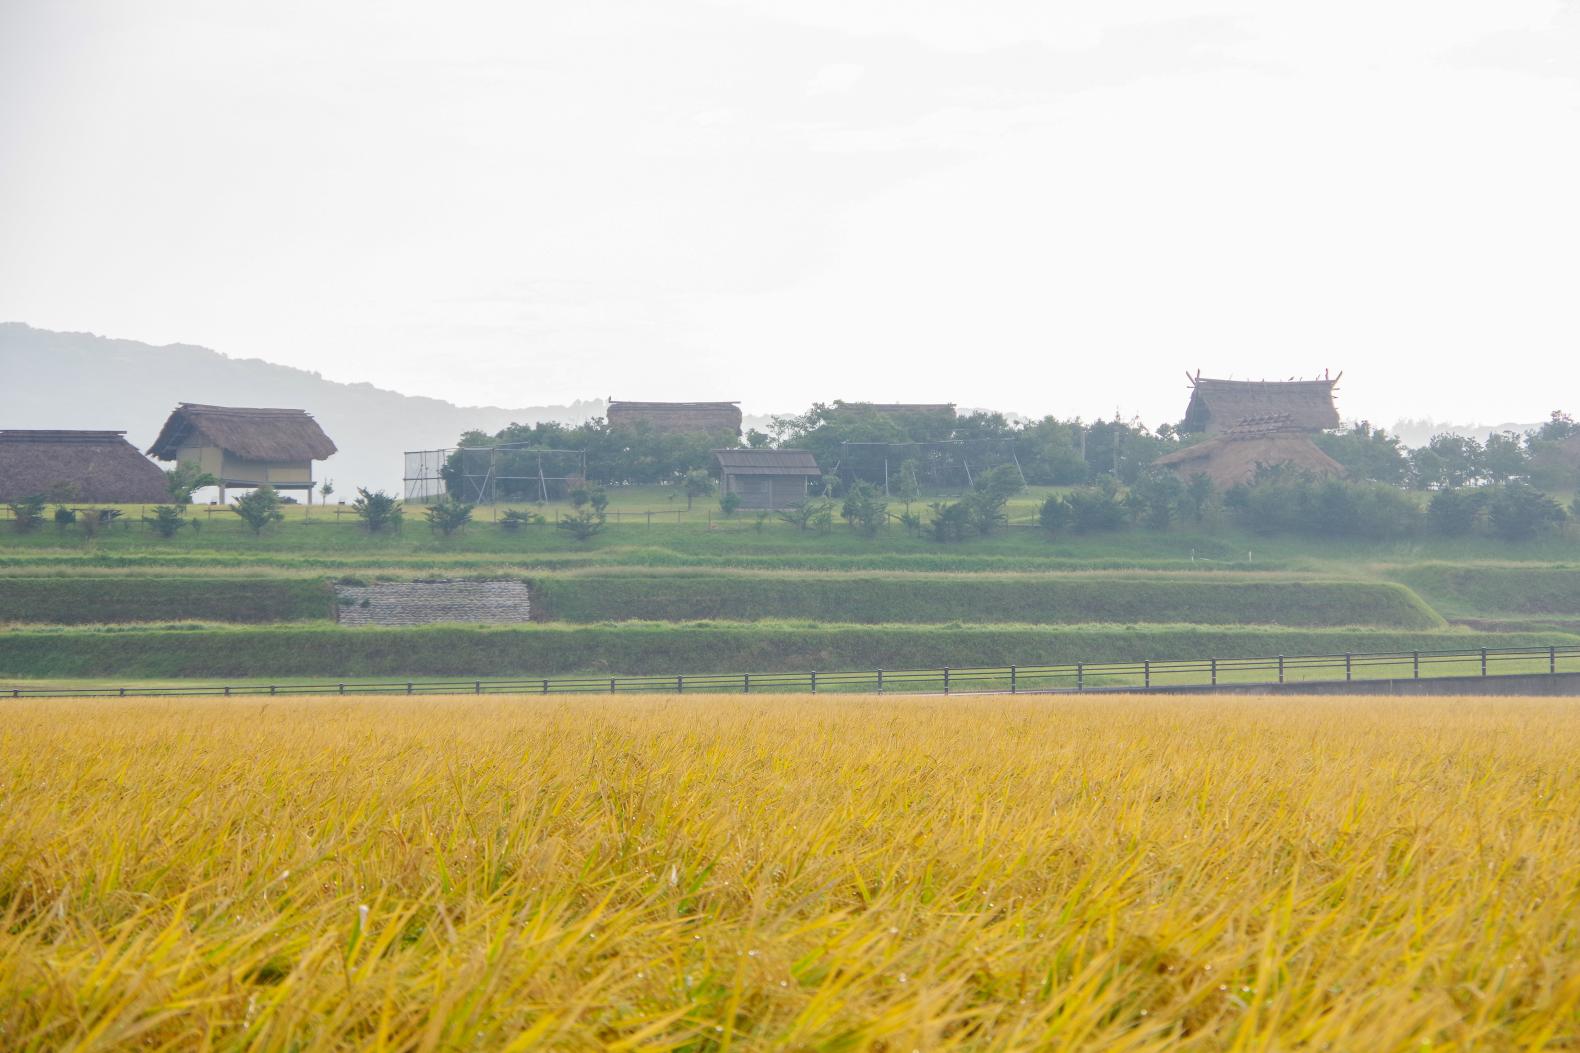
(1041,207)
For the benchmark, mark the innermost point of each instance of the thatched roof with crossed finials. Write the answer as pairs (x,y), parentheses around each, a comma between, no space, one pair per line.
(678,418)
(1237,454)
(100,467)
(1218,405)
(271,435)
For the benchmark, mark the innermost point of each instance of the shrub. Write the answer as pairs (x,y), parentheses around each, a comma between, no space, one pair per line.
(1453,513)
(1096,508)
(377,509)
(729,503)
(259,509)
(449,515)
(808,514)
(28,513)
(515,519)
(64,517)
(864,510)
(582,524)
(167,521)
(1054,515)
(184,478)
(1157,498)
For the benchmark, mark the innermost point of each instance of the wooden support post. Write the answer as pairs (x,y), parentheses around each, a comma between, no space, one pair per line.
(1013,676)
(1483,661)
(946,680)
(746,683)
(1415,665)
(1348,666)
(1080,675)
(1280,669)
(1552,660)
(814,681)
(880,681)
(1146,673)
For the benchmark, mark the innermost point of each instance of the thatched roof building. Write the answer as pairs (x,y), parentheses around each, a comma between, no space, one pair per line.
(94,466)
(903,409)
(1218,405)
(1234,456)
(767,478)
(678,418)
(245,447)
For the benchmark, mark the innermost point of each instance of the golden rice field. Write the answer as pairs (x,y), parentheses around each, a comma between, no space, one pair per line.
(796,873)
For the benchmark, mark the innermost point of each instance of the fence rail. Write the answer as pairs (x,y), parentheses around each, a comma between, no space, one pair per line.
(1013,679)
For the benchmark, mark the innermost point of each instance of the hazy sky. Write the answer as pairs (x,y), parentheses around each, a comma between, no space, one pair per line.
(1043,207)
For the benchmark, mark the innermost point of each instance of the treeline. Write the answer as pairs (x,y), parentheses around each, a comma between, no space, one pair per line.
(1049,451)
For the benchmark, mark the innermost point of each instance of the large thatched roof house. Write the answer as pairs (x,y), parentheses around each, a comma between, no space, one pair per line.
(1234,456)
(767,478)
(1219,405)
(100,467)
(678,418)
(244,447)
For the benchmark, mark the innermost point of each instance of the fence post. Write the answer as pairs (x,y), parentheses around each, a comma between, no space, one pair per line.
(123,692)
(271,689)
(1415,664)
(1280,669)
(477,688)
(545,687)
(680,685)
(746,683)
(1080,676)
(1552,660)
(946,680)
(880,681)
(1146,673)
(342,689)
(227,692)
(1347,665)
(814,681)
(1214,663)
(611,685)
(1483,661)
(408,687)
(1012,680)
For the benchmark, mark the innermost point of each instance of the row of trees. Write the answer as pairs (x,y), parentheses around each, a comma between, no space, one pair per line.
(1050,451)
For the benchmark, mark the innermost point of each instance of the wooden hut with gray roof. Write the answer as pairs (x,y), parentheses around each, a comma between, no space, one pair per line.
(98,467)
(767,478)
(245,447)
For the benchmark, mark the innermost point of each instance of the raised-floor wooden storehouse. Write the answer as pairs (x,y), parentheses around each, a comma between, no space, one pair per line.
(767,478)
(678,418)
(97,467)
(244,447)
(1236,455)
(1220,405)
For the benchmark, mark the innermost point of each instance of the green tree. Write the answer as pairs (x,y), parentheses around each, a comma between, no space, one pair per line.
(259,509)
(910,488)
(729,502)
(1453,513)
(186,478)
(326,489)
(1504,457)
(377,509)
(1519,512)
(449,515)
(1054,515)
(807,514)
(1198,495)
(584,523)
(697,483)
(1156,497)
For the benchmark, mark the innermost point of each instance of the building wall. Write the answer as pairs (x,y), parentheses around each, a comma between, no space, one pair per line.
(235,471)
(767,491)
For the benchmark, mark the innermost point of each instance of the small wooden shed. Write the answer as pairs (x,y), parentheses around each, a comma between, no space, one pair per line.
(245,447)
(678,418)
(99,467)
(767,478)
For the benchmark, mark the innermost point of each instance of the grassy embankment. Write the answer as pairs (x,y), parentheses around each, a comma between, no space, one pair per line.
(809,874)
(633,648)
(739,596)
(1492,596)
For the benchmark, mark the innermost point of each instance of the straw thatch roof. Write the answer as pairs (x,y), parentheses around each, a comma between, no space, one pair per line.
(1218,405)
(97,466)
(767,462)
(678,418)
(251,434)
(1235,456)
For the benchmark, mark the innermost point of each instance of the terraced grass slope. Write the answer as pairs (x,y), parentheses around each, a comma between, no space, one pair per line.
(664,648)
(979,598)
(62,600)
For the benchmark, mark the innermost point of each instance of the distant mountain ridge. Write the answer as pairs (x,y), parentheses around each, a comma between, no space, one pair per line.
(81,380)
